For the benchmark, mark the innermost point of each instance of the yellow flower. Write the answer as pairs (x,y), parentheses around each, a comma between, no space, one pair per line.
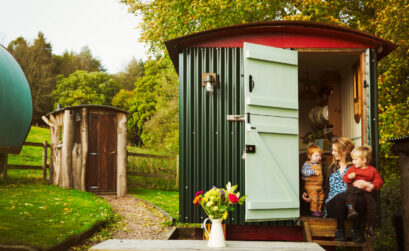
(224,215)
(209,204)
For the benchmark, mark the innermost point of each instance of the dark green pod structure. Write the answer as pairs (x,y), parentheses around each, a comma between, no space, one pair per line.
(16,106)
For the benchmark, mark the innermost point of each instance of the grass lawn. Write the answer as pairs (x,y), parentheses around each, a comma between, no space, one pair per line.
(31,155)
(43,216)
(167,200)
(37,215)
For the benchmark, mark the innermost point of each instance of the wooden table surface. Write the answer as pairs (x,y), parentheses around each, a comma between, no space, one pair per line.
(201,245)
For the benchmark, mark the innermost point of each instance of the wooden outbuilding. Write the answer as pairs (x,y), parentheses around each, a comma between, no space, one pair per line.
(88,148)
(250,97)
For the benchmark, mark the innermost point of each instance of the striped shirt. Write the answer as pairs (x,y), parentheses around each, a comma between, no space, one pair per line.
(306,169)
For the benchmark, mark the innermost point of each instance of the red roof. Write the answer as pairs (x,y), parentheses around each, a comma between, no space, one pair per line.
(281,34)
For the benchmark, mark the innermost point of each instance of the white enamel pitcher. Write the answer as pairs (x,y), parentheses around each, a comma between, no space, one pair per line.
(216,236)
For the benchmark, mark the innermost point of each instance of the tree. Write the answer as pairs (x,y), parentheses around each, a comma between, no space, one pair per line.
(37,63)
(70,62)
(82,87)
(168,19)
(123,99)
(148,90)
(134,70)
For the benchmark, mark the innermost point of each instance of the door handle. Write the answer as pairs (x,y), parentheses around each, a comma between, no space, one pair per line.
(251,83)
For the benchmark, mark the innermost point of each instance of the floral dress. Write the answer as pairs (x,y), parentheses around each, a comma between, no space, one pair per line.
(336,185)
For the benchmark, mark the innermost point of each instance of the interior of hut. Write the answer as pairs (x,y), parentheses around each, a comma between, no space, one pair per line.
(330,104)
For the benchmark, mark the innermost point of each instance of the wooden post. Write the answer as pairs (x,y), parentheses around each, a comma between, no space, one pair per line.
(51,166)
(45,160)
(121,156)
(84,145)
(177,170)
(3,165)
(53,139)
(68,142)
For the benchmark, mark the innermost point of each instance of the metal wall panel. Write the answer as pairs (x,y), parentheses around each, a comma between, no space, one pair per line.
(210,146)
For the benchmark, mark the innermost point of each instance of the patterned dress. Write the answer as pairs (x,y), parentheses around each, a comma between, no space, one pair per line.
(336,185)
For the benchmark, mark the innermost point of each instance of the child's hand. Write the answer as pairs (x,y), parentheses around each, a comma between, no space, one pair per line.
(317,173)
(351,176)
(370,188)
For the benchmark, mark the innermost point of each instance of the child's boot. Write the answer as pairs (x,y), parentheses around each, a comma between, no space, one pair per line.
(340,234)
(356,236)
(352,214)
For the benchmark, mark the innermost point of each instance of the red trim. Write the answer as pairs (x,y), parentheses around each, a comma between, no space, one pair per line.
(282,34)
(264,233)
(288,37)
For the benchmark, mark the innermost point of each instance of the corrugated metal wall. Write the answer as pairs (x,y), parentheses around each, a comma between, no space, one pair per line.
(210,146)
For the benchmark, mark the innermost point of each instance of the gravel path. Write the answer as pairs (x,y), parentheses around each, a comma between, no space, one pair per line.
(139,221)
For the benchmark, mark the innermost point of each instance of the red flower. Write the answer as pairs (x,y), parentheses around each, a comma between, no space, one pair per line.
(196,200)
(198,193)
(233,198)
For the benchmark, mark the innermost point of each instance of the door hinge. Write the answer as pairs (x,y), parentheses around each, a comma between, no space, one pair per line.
(251,83)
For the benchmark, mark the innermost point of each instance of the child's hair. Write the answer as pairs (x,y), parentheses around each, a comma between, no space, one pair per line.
(363,152)
(345,146)
(312,148)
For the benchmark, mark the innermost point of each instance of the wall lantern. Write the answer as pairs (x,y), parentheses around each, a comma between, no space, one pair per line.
(209,81)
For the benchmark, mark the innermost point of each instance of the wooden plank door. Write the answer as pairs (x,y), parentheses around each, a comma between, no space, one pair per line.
(271,133)
(102,137)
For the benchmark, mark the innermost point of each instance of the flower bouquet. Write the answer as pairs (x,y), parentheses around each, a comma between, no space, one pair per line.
(217,202)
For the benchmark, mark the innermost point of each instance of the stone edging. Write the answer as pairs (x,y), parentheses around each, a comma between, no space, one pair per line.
(160,209)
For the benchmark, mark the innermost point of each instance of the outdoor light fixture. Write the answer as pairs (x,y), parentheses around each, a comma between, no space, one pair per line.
(209,82)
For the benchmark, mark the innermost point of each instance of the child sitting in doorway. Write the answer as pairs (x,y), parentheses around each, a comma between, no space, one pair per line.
(312,175)
(361,170)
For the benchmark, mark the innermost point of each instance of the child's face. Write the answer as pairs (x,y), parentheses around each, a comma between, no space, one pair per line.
(359,162)
(316,157)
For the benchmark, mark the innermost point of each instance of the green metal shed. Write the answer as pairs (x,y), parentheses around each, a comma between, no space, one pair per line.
(16,107)
(266,79)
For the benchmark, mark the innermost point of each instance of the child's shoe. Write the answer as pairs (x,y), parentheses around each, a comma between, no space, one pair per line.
(316,214)
(352,214)
(340,234)
(356,236)
(371,232)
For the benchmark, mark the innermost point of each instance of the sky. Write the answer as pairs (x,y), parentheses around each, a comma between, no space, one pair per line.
(105,26)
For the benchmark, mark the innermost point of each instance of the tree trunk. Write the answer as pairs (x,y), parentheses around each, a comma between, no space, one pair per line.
(76,165)
(121,156)
(68,143)
(84,144)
